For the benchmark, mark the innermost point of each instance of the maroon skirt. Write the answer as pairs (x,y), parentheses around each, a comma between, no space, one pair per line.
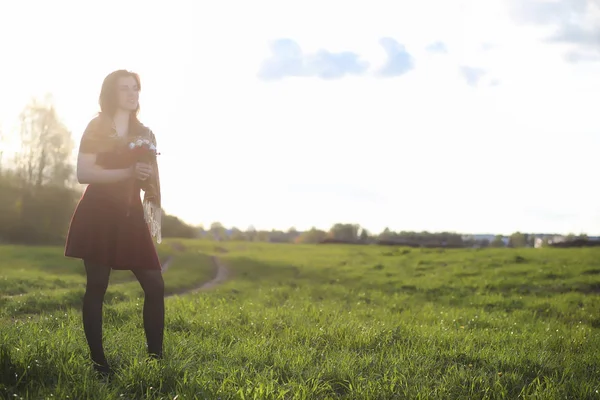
(107,229)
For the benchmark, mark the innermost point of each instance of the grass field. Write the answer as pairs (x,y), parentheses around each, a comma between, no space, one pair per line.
(314,322)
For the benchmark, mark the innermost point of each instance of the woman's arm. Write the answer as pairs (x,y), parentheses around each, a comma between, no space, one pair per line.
(88,172)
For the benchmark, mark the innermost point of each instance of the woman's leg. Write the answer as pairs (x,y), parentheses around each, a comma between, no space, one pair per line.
(154,309)
(97,283)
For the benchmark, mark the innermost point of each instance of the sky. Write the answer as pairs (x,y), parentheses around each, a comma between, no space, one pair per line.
(449,115)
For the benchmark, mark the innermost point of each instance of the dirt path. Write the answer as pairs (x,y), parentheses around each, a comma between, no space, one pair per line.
(220,277)
(222,273)
(167,263)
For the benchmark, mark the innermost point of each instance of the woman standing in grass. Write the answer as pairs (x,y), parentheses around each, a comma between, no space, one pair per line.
(111,227)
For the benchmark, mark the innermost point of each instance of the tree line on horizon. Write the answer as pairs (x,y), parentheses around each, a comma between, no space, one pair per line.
(355,234)
(39,192)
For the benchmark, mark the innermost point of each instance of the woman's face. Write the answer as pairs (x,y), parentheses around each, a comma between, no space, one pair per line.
(128,93)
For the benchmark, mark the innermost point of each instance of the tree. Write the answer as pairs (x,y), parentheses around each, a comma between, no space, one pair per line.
(344,232)
(174,227)
(292,234)
(262,236)
(517,239)
(237,234)
(39,193)
(364,236)
(497,242)
(46,146)
(217,231)
(251,233)
(386,234)
(313,235)
(530,240)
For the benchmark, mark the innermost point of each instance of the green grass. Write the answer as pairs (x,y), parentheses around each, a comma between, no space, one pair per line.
(315,322)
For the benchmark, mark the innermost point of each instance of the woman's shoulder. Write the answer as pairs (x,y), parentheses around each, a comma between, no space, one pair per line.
(98,135)
(99,124)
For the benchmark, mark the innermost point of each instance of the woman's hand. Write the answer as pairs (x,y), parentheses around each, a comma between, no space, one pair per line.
(142,171)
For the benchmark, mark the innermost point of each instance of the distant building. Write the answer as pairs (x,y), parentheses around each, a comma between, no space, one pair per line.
(539,241)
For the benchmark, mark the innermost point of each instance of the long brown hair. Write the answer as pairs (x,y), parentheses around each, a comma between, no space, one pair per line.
(108,99)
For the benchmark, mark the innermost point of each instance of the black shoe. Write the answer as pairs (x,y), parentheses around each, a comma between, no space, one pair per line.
(154,357)
(103,369)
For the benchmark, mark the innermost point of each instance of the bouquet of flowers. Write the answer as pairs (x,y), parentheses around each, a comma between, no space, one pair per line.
(143,150)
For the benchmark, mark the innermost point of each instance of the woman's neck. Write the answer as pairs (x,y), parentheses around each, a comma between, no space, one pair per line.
(121,120)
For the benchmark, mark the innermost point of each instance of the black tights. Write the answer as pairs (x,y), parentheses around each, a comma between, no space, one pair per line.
(154,309)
